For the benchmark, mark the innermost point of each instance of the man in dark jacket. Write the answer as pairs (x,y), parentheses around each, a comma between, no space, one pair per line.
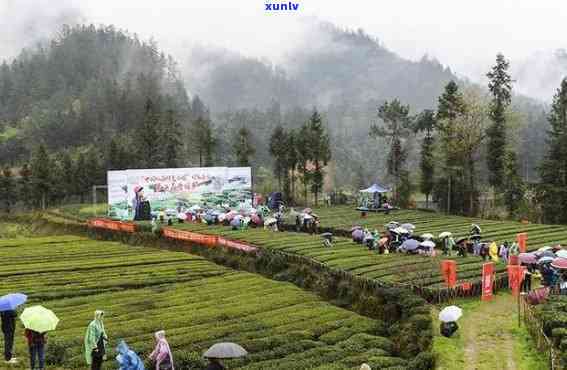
(8,329)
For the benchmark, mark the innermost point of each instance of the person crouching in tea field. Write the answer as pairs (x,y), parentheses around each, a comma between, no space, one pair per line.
(95,342)
(36,345)
(162,353)
(8,329)
(215,364)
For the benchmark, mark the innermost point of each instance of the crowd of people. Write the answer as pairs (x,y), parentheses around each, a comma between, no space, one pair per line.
(95,347)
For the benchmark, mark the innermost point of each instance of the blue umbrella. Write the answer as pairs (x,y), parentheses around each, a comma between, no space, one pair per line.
(11,301)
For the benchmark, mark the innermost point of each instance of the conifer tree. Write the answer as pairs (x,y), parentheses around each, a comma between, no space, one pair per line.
(41,181)
(500,85)
(553,170)
(242,147)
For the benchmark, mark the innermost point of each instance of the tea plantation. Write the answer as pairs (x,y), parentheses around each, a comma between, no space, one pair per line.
(197,302)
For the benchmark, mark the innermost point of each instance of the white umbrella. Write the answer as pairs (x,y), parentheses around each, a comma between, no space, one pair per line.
(428,244)
(445,234)
(450,313)
(400,230)
(225,350)
(561,253)
(427,236)
(543,249)
(410,227)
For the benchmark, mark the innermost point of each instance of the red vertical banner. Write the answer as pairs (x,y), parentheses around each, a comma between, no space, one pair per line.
(449,272)
(522,239)
(515,277)
(487,280)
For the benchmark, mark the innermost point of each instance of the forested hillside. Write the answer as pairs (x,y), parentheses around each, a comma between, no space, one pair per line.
(84,88)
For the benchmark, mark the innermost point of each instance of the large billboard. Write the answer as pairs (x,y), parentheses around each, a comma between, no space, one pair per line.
(178,189)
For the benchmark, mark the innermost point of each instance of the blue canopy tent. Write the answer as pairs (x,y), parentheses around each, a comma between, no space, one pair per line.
(372,198)
(375,188)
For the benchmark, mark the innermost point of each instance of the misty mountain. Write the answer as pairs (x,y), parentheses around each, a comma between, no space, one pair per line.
(332,66)
(540,74)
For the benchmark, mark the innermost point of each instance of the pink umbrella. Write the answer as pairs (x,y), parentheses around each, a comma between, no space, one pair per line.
(527,258)
(256,219)
(559,263)
(230,215)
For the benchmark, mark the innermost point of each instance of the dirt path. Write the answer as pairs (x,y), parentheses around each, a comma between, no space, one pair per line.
(488,338)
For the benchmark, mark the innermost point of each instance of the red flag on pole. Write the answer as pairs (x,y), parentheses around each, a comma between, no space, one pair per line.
(487,280)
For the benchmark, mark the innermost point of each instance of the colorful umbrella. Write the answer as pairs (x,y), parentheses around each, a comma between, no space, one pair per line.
(445,234)
(559,263)
(450,313)
(225,350)
(428,244)
(39,319)
(11,301)
(410,245)
(355,228)
(527,258)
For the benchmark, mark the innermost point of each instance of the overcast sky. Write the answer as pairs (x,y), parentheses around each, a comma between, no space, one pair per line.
(465,35)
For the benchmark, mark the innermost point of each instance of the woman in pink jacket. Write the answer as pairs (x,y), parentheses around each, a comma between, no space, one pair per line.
(162,353)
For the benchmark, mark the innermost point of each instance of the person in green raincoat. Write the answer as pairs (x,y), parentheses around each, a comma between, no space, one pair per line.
(95,342)
(449,245)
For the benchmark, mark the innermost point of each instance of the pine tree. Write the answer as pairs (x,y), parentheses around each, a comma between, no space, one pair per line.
(396,127)
(68,175)
(278,152)
(513,184)
(81,173)
(291,164)
(41,181)
(553,170)
(171,139)
(242,147)
(448,188)
(8,193)
(147,138)
(320,153)
(426,123)
(500,85)
(24,185)
(301,141)
(203,141)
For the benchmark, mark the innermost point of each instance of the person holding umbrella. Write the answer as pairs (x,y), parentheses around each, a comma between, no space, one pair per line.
(448,317)
(8,330)
(38,320)
(95,342)
(8,305)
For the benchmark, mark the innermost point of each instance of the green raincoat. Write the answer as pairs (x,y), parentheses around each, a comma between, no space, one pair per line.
(93,334)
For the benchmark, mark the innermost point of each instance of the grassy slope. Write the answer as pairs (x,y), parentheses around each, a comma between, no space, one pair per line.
(195,301)
(488,338)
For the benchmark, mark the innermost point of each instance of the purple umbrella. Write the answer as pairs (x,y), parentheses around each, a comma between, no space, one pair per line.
(358,235)
(527,258)
(355,228)
(11,301)
(410,245)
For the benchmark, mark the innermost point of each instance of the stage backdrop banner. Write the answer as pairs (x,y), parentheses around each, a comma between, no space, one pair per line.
(173,189)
